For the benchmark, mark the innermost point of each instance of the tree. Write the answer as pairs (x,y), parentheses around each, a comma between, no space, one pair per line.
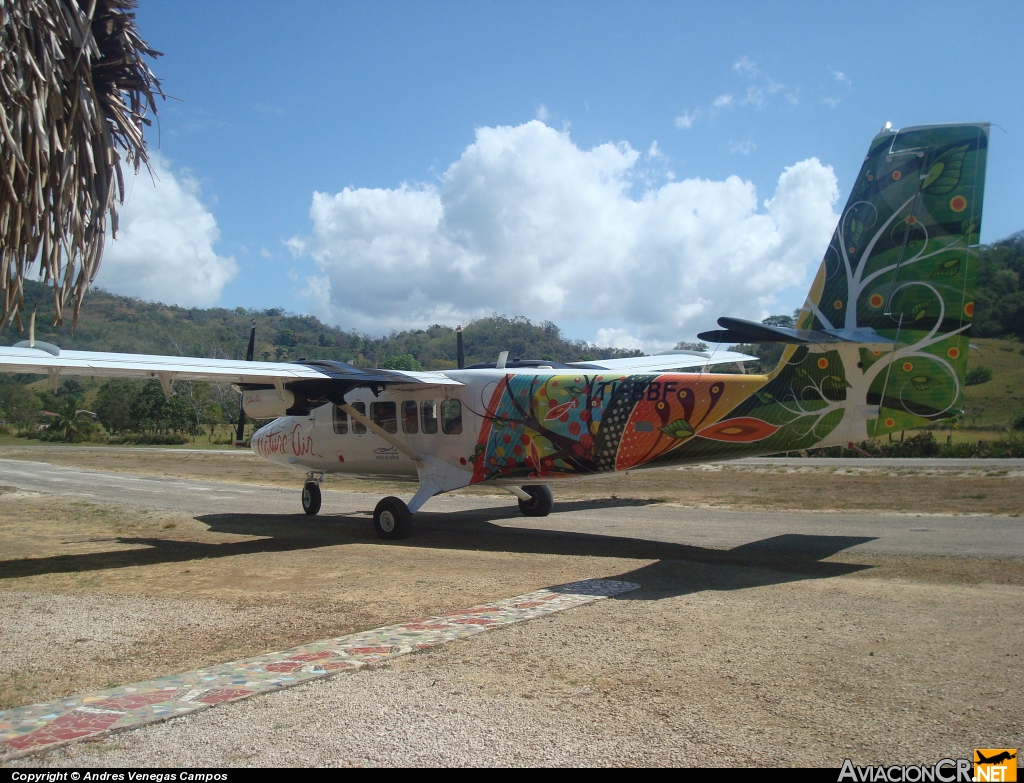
(71,387)
(779,320)
(114,405)
(999,293)
(18,406)
(70,422)
(75,90)
(147,410)
(404,362)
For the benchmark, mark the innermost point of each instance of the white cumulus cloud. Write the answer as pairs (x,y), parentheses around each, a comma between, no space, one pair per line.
(164,247)
(686,119)
(527,223)
(618,338)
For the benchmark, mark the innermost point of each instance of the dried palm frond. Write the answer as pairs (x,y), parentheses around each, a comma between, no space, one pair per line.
(74,89)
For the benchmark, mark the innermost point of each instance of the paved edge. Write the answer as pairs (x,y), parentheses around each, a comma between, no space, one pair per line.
(38,727)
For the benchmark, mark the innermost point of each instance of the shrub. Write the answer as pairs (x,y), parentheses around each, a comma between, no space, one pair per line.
(923,445)
(149,439)
(978,375)
(1018,420)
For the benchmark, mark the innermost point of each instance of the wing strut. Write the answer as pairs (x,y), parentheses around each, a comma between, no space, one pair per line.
(383,433)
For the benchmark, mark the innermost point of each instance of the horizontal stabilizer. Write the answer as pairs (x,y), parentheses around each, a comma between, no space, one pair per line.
(736,331)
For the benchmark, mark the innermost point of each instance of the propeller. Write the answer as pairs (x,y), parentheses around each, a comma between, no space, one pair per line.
(459,350)
(240,432)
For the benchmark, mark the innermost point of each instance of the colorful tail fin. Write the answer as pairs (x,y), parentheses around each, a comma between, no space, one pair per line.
(881,342)
(902,264)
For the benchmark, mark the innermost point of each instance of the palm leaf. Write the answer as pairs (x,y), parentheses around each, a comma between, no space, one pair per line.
(75,95)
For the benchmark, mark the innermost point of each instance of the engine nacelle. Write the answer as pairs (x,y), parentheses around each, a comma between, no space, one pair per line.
(267,403)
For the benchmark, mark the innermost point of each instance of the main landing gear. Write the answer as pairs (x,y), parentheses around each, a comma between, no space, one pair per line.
(540,502)
(392,518)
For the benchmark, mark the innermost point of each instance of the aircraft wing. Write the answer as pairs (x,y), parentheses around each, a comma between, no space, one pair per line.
(188,368)
(670,360)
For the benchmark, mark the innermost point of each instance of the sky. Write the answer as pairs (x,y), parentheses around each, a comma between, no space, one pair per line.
(630,171)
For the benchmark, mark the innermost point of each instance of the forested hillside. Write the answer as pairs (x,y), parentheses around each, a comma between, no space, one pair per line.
(118,323)
(999,296)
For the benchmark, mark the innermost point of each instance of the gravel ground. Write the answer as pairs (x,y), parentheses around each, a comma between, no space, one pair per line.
(752,655)
(712,667)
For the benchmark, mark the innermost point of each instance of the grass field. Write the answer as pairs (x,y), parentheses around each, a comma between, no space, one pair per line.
(995,404)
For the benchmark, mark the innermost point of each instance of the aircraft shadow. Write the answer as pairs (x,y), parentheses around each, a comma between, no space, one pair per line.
(677,568)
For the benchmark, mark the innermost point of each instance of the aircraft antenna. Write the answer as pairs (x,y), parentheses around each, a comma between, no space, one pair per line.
(240,432)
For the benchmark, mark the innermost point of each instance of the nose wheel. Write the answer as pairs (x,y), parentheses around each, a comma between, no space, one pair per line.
(311,498)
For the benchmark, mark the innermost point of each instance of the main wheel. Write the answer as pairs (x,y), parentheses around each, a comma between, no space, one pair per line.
(311,498)
(392,519)
(540,502)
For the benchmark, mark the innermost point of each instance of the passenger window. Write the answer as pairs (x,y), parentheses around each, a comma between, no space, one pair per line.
(429,408)
(340,420)
(385,416)
(358,428)
(410,417)
(451,417)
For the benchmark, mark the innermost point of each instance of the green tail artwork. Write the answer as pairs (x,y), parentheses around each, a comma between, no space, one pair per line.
(902,263)
(881,342)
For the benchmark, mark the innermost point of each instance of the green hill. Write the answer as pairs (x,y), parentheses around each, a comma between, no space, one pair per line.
(118,323)
(994,404)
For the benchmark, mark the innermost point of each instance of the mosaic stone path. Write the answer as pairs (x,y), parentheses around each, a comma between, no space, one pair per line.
(25,730)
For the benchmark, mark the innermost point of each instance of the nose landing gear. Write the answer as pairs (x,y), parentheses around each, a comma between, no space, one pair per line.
(311,493)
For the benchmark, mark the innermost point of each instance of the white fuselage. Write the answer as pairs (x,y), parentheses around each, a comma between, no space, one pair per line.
(328,440)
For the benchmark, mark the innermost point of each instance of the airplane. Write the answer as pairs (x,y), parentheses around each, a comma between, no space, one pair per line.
(880,345)
(996,759)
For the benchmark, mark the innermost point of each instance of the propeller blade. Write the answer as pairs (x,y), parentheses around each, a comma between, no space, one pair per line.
(240,432)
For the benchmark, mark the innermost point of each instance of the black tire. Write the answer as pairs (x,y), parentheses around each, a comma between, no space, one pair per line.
(392,519)
(311,498)
(540,503)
